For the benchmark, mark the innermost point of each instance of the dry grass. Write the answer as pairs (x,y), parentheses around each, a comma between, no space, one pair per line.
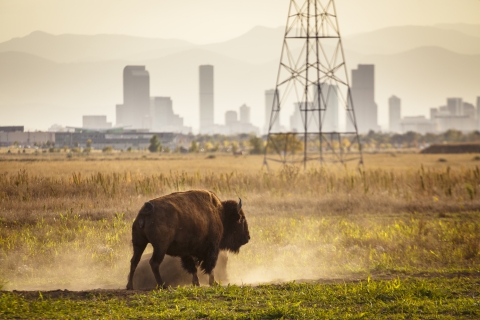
(66,222)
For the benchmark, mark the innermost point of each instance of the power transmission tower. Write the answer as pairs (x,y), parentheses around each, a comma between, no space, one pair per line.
(313,79)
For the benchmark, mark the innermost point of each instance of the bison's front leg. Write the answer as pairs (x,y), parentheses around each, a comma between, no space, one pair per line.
(211,278)
(210,262)
(189,264)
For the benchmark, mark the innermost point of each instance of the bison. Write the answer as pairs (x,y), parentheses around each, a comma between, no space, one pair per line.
(173,274)
(193,225)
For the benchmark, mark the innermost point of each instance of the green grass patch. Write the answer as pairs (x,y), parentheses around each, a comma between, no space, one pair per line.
(438,298)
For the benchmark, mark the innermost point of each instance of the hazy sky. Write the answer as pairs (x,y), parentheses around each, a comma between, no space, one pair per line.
(206,21)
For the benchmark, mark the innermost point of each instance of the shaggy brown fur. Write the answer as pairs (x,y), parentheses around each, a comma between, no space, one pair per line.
(173,274)
(193,225)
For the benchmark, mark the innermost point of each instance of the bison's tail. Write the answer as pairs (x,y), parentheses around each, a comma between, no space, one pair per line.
(147,209)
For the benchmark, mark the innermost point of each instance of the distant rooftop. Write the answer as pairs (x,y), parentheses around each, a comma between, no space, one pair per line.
(12,129)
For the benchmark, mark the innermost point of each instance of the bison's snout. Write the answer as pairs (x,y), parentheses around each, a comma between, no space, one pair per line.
(247,238)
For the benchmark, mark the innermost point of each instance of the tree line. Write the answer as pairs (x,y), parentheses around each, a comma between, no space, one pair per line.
(253,144)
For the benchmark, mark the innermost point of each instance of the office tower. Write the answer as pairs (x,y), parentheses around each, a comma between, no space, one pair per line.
(363,95)
(296,123)
(135,111)
(120,117)
(328,99)
(394,116)
(454,106)
(271,97)
(468,109)
(231,118)
(162,113)
(297,119)
(206,99)
(244,114)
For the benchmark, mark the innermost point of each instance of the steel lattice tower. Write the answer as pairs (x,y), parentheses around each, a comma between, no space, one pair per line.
(313,78)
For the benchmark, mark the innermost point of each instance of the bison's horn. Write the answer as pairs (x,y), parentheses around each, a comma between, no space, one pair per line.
(239,206)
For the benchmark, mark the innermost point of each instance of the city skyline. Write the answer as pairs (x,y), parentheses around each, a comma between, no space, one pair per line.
(243,74)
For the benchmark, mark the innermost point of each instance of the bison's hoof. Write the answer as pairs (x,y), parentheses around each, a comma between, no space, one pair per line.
(162,287)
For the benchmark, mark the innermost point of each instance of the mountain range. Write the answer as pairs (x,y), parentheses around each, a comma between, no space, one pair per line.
(46,79)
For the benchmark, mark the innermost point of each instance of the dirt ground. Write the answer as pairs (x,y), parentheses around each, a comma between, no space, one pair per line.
(126,294)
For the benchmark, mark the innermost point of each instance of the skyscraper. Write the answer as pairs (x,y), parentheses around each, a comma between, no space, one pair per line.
(297,119)
(244,114)
(231,118)
(135,111)
(329,106)
(454,106)
(363,95)
(394,116)
(206,99)
(271,97)
(162,113)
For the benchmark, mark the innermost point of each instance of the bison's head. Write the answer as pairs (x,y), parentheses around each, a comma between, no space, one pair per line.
(235,226)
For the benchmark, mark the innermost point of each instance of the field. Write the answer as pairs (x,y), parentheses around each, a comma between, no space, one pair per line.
(397,238)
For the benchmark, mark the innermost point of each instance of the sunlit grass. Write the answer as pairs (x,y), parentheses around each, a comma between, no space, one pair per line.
(66,224)
(409,298)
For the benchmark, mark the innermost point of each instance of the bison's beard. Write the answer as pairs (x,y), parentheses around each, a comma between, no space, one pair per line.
(233,248)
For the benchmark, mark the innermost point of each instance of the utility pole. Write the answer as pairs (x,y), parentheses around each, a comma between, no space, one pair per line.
(313,78)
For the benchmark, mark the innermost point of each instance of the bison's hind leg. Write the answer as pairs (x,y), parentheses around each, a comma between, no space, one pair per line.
(189,264)
(138,248)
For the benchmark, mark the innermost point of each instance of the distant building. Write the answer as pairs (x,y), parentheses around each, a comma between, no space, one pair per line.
(454,106)
(135,110)
(433,113)
(96,122)
(468,109)
(298,116)
(116,140)
(394,117)
(363,95)
(57,128)
(272,98)
(244,114)
(463,123)
(234,126)
(162,113)
(12,129)
(418,124)
(329,107)
(9,138)
(163,118)
(457,115)
(206,99)
(231,118)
